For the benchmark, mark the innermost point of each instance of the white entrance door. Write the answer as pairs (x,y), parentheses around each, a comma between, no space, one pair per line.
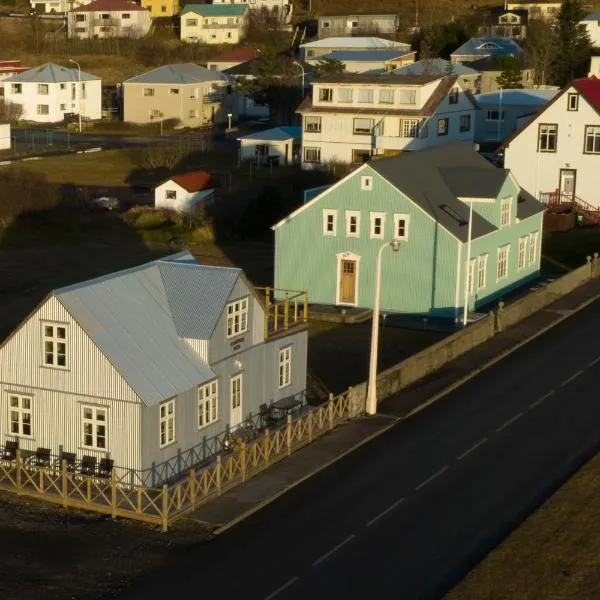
(567,182)
(235,401)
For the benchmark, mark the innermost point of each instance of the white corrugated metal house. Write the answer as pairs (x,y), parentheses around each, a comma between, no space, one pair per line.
(280,145)
(186,193)
(142,365)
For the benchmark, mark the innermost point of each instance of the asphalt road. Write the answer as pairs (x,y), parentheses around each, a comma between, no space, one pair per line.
(408,514)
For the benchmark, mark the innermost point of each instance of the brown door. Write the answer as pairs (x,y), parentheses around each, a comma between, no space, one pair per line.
(348,281)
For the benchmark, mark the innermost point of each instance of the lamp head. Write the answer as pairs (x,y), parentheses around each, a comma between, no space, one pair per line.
(395,245)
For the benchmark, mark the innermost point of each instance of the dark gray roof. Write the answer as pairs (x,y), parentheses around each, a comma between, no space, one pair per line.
(384,78)
(527,205)
(52,73)
(426,177)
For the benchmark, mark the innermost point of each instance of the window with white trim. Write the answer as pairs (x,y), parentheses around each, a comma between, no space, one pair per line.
(167,423)
(533,242)
(171,194)
(352,223)
(471,276)
(19,415)
(453,96)
(363,126)
(442,126)
(148,92)
(94,427)
(401,227)
(43,109)
(502,263)
(312,124)
(377,228)
(572,102)
(494,115)
(592,140)
(482,272)
(505,209)
(42,89)
(235,391)
(325,94)
(366,183)
(365,96)
(237,317)
(386,96)
(547,137)
(312,155)
(407,96)
(54,339)
(345,95)
(522,253)
(208,396)
(285,367)
(329,221)
(409,128)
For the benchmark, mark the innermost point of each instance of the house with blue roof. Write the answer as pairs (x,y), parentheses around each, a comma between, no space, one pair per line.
(143,366)
(440,67)
(213,23)
(279,145)
(482,47)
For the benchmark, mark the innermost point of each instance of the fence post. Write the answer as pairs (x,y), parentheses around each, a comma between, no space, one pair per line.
(310,426)
(243,460)
(165,508)
(286,310)
(218,472)
(19,464)
(288,434)
(305,307)
(63,469)
(499,315)
(193,488)
(88,490)
(267,443)
(330,412)
(113,494)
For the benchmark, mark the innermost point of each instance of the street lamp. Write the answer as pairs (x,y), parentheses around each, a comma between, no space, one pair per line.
(229,115)
(79,79)
(371,406)
(302,69)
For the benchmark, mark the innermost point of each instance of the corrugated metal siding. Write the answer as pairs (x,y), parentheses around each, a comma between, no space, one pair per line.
(306,259)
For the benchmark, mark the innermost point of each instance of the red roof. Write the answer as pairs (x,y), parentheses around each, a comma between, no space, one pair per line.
(109,5)
(195,181)
(10,63)
(236,55)
(589,88)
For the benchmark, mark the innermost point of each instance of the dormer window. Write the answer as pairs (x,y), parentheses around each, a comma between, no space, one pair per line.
(488,46)
(407,96)
(325,95)
(453,96)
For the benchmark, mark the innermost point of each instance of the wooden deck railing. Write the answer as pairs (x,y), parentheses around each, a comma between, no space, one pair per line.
(284,309)
(580,206)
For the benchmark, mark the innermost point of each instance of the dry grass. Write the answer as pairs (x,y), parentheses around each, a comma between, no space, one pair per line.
(554,555)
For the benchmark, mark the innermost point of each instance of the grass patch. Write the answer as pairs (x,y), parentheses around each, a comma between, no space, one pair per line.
(554,555)
(568,247)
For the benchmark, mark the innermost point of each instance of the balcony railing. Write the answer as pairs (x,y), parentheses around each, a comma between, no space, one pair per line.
(284,309)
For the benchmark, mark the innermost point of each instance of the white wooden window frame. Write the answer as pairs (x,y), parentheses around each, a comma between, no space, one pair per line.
(20,415)
(532,250)
(409,128)
(377,220)
(166,423)
(350,215)
(55,345)
(235,391)
(208,403)
(572,101)
(237,317)
(502,262)
(523,251)
(329,219)
(345,95)
(471,276)
(505,212)
(94,421)
(401,233)
(482,272)
(366,183)
(285,367)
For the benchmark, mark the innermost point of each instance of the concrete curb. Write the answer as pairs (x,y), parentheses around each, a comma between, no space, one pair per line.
(447,390)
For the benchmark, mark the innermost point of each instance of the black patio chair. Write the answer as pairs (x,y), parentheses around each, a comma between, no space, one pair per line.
(88,465)
(10,450)
(42,457)
(71,459)
(105,467)
(266,415)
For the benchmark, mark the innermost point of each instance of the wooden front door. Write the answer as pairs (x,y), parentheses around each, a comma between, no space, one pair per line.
(348,282)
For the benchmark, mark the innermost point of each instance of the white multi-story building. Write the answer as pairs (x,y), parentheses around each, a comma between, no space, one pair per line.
(108,19)
(555,156)
(353,117)
(50,91)
(283,8)
(213,23)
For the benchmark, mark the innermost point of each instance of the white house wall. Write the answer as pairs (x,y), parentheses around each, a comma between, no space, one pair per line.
(4,136)
(275,149)
(184,201)
(593,29)
(540,171)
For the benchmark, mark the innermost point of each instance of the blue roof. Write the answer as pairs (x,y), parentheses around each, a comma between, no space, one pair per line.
(277,134)
(363,55)
(139,318)
(488,46)
(433,66)
(518,97)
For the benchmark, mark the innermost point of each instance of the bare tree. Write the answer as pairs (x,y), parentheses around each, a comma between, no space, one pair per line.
(540,50)
(10,111)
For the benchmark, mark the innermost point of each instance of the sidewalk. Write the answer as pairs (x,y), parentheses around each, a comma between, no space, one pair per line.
(245,499)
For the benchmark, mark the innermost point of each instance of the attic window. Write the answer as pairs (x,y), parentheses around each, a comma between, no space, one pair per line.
(453,96)
(572,102)
(488,46)
(366,183)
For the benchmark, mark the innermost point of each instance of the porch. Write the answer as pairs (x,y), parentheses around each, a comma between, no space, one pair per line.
(557,201)
(284,310)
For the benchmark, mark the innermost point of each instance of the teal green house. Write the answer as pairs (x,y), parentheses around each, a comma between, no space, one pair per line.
(329,245)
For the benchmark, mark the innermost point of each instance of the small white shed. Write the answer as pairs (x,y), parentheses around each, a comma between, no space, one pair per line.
(4,136)
(186,193)
(280,145)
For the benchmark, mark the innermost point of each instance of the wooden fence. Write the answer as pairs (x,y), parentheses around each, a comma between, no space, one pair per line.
(161,506)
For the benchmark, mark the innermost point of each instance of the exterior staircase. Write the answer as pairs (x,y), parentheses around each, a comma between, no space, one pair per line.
(558,200)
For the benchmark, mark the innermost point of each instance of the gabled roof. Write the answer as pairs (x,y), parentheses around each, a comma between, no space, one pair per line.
(434,66)
(520,97)
(194,181)
(178,74)
(364,55)
(216,10)
(235,55)
(51,73)
(110,5)
(276,134)
(139,317)
(355,42)
(476,46)
(383,78)
(493,63)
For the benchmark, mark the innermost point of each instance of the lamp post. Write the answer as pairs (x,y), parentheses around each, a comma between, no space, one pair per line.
(79,92)
(302,69)
(229,115)
(371,406)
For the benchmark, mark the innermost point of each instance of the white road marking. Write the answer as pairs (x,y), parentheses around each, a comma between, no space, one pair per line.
(285,586)
(430,479)
(333,550)
(472,448)
(509,422)
(575,376)
(390,508)
(540,400)
(597,359)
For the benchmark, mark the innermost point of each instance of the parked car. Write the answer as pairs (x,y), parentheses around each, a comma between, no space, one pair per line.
(105,203)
